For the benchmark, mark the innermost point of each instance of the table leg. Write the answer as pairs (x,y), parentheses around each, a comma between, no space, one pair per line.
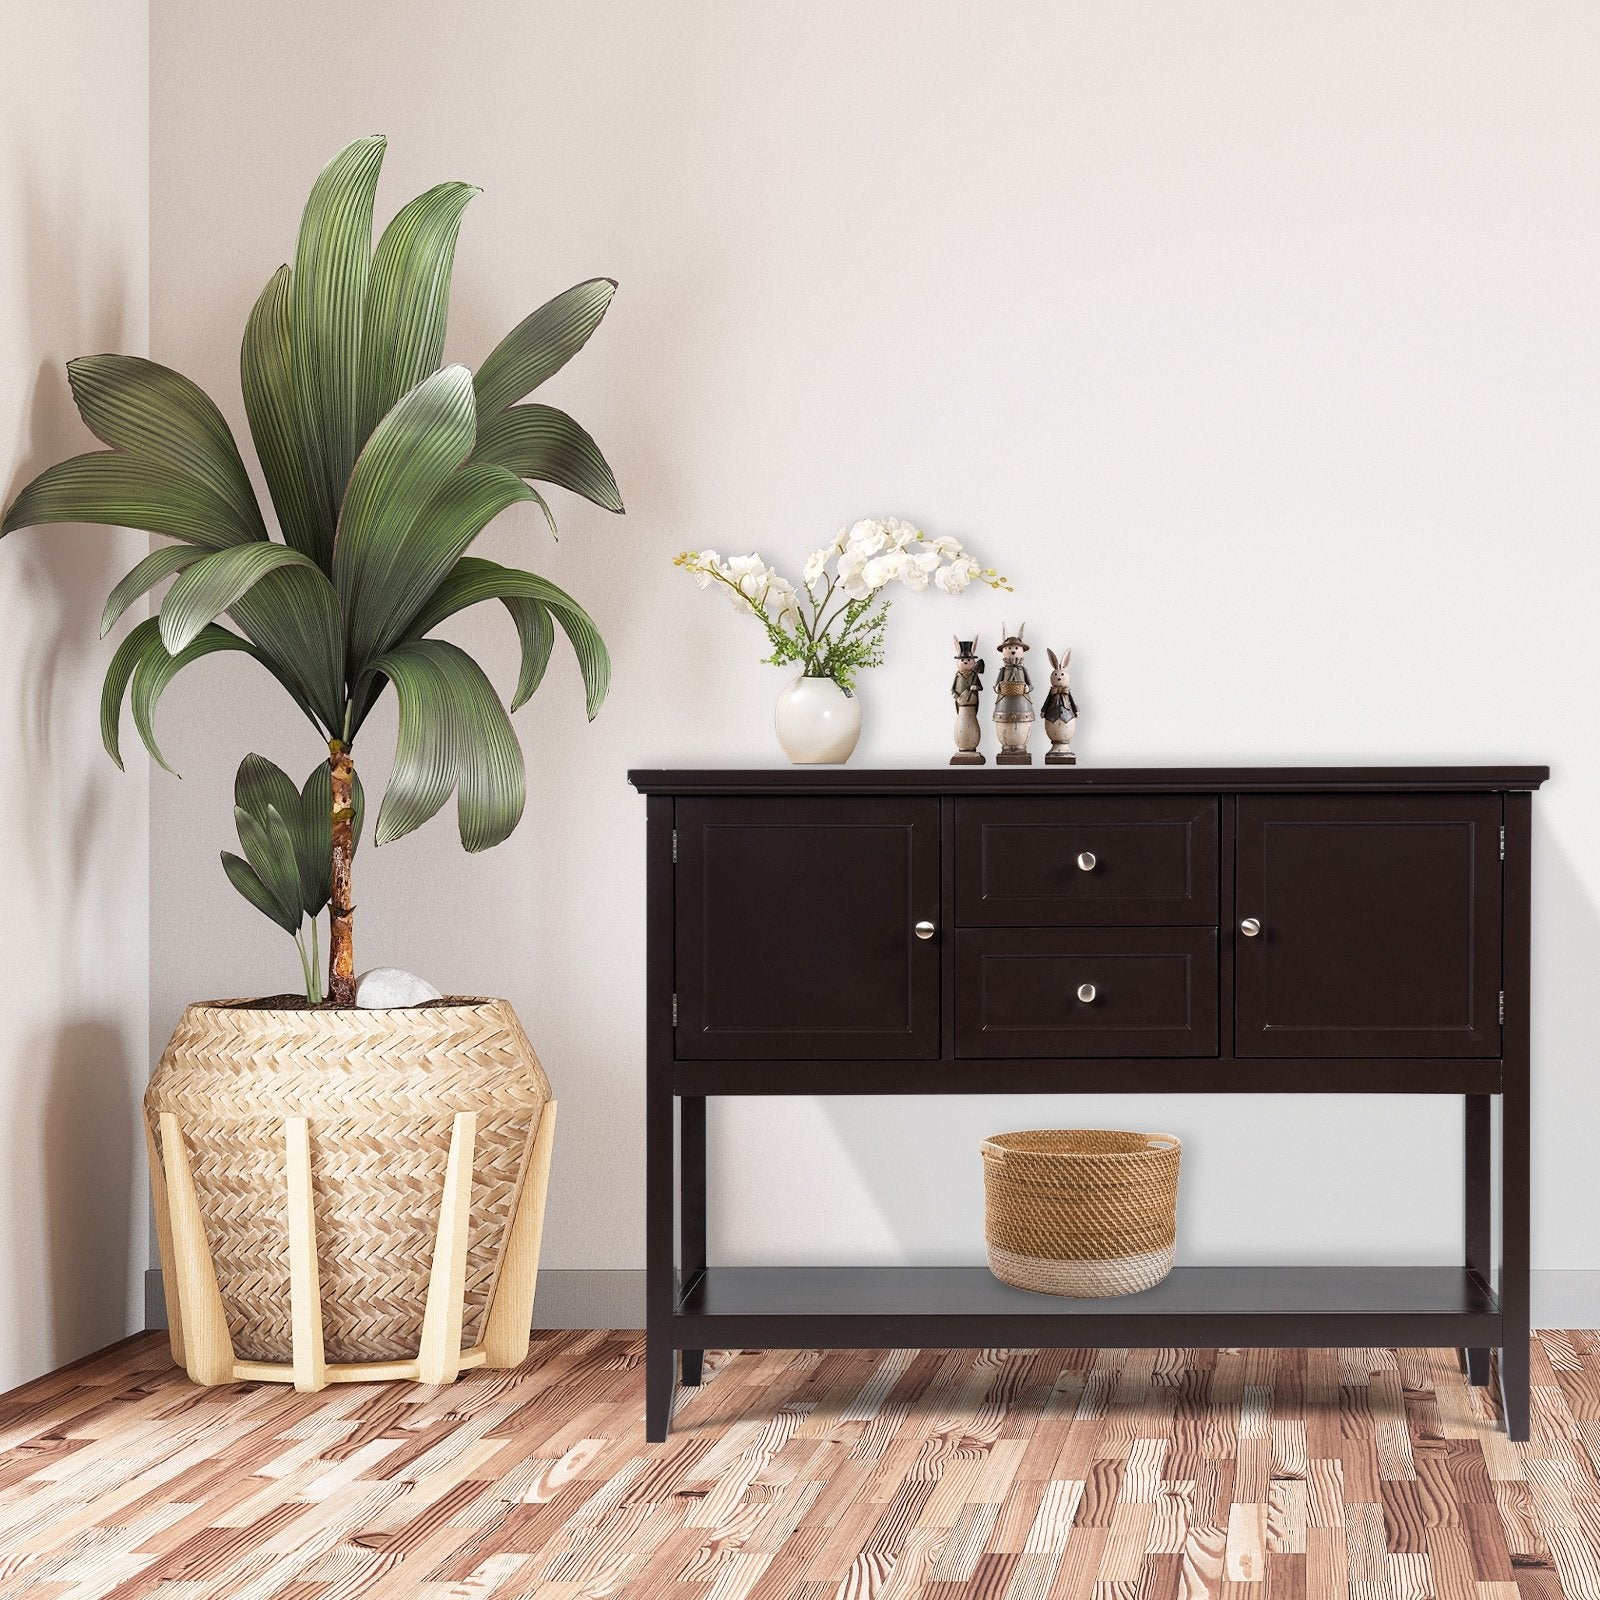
(1514,1247)
(1515,1118)
(661,1273)
(692,1207)
(1478,1211)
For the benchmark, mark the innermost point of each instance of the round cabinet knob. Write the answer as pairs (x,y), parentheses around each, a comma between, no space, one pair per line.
(1086,992)
(924,930)
(1086,861)
(1250,927)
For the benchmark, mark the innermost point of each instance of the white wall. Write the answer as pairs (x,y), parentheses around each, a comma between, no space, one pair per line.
(1258,342)
(74,197)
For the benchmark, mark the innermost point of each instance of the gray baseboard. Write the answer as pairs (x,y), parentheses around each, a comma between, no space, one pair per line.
(580,1298)
(571,1298)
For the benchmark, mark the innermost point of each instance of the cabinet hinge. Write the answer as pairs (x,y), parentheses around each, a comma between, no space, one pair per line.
(1502,1007)
(675,845)
(675,1009)
(1502,842)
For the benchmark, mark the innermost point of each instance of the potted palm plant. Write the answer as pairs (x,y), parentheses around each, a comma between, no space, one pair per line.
(339,1186)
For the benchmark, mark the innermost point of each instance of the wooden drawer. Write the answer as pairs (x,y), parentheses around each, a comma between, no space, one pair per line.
(1017,992)
(1023,863)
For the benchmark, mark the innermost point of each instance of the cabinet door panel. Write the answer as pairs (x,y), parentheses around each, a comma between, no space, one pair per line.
(795,928)
(1018,992)
(1086,861)
(1380,926)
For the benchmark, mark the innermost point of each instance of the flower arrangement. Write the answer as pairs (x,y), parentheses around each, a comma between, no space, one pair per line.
(849,575)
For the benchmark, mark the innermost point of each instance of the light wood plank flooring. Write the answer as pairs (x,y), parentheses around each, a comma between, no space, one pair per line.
(1001,1474)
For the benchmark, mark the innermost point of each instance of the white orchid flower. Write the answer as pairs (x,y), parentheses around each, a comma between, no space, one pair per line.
(884,569)
(954,578)
(816,564)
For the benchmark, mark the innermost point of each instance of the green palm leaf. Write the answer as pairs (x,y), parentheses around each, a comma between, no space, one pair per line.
(155,669)
(266,375)
(541,345)
(143,637)
(247,881)
(127,492)
(160,563)
(327,299)
(269,849)
(260,783)
(292,616)
(213,584)
(408,298)
(405,463)
(474,580)
(454,734)
(540,442)
(413,563)
(149,411)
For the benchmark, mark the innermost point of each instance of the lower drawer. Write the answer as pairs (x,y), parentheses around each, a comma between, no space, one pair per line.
(1086,992)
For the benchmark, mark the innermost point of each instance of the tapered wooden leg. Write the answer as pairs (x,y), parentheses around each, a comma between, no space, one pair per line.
(659,1384)
(692,1209)
(439,1358)
(169,1269)
(208,1347)
(510,1320)
(305,1283)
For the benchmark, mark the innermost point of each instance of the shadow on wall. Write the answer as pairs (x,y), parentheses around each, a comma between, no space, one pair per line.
(89,1120)
(72,829)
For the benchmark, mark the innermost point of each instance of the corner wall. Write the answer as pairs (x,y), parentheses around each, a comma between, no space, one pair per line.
(74,879)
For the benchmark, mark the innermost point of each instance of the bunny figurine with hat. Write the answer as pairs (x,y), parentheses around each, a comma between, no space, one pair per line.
(1013,704)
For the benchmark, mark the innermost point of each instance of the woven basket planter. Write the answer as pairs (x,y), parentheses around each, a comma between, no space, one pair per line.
(1085,1212)
(345,1194)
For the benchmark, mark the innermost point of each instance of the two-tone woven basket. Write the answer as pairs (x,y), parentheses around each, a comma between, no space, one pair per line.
(1085,1211)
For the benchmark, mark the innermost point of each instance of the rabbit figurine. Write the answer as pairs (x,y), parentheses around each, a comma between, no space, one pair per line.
(965,689)
(1013,706)
(1060,713)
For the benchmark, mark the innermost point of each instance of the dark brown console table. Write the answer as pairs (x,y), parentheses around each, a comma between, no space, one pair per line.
(1338,930)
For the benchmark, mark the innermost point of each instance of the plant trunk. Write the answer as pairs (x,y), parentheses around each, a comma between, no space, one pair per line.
(341,908)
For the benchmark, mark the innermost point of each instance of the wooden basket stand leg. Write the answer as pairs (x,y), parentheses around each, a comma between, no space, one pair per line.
(198,1323)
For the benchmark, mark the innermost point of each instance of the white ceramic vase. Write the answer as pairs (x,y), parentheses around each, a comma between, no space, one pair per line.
(818,722)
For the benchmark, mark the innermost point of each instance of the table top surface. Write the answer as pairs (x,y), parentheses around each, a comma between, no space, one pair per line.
(1041,779)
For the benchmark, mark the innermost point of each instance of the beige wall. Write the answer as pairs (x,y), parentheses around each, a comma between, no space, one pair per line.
(74,198)
(1259,343)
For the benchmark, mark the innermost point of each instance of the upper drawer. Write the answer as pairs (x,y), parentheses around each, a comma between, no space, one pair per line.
(1086,861)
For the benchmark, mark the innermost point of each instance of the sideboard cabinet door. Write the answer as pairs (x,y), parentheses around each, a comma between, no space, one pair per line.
(796,928)
(1379,924)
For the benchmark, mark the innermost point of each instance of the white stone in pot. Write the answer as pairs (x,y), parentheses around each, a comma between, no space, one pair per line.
(385,988)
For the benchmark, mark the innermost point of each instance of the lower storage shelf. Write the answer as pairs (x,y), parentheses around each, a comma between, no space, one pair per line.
(967,1307)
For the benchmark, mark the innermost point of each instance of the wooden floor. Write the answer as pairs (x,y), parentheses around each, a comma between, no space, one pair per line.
(1111,1475)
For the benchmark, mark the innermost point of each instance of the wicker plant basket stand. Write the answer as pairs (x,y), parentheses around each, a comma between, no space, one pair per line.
(1087,1212)
(345,1196)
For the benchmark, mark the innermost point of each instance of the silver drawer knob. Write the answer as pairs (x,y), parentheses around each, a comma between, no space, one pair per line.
(923,930)
(1086,992)
(1086,861)
(1250,927)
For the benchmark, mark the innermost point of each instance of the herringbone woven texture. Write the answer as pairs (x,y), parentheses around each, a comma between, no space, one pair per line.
(380,1090)
(1081,1211)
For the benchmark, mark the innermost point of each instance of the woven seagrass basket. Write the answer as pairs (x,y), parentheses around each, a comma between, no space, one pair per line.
(1085,1211)
(377,1099)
